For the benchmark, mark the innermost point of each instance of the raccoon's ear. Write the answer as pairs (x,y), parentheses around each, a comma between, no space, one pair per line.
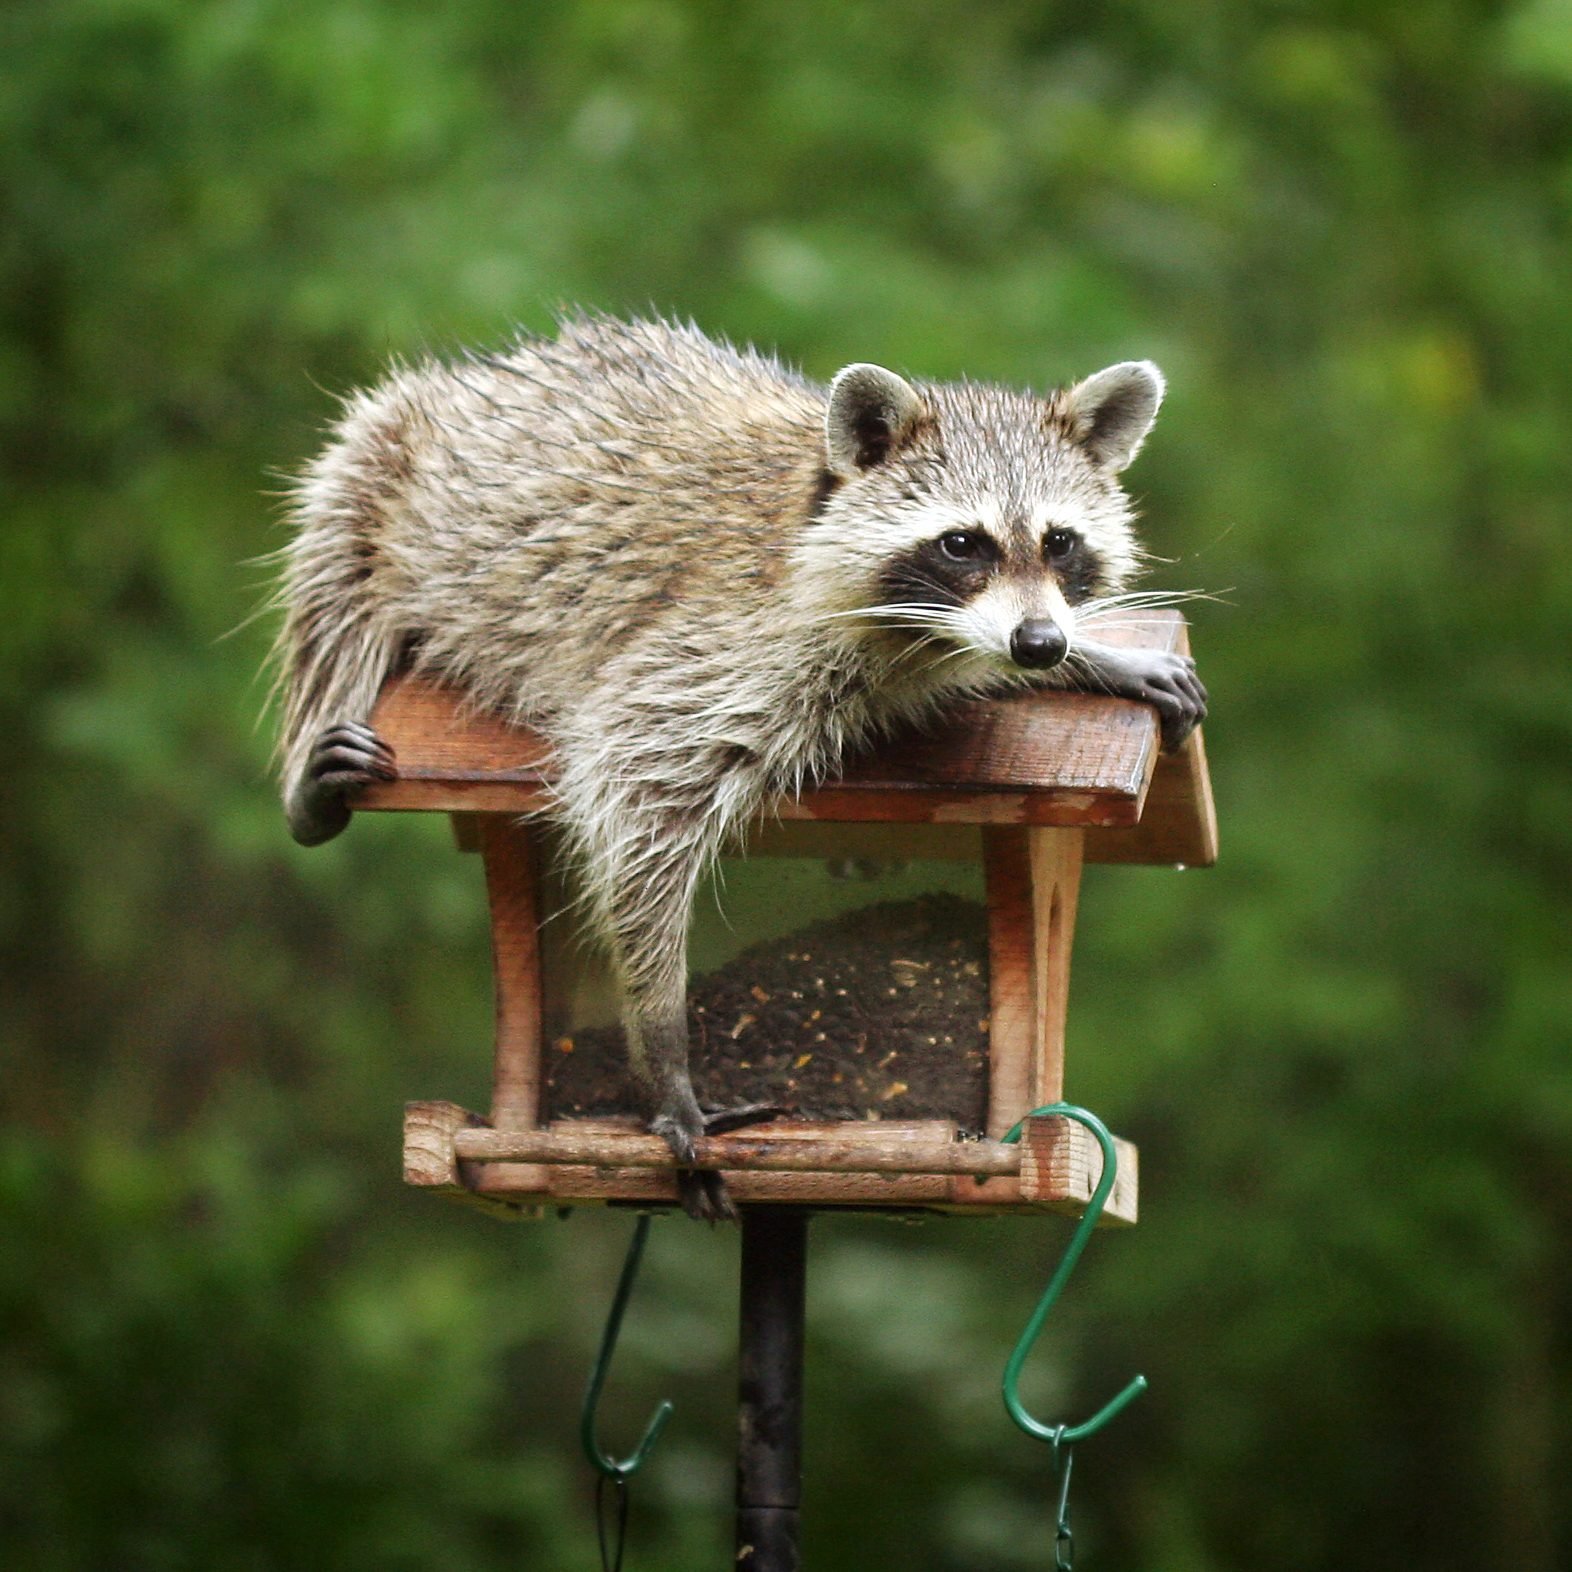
(1110,412)
(871,410)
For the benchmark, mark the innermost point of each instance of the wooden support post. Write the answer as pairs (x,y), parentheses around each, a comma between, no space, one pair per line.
(1034,881)
(1012,1018)
(508,850)
(509,853)
(769,1387)
(1056,888)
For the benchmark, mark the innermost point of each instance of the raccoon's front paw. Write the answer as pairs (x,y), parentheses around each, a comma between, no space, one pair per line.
(1169,683)
(342,758)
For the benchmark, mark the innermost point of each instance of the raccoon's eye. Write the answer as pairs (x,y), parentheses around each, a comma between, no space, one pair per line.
(1059,543)
(962,545)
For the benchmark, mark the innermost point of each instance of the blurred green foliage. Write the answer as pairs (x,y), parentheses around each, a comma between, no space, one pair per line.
(231,1340)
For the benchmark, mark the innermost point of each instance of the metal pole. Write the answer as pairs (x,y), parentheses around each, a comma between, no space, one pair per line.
(769,1387)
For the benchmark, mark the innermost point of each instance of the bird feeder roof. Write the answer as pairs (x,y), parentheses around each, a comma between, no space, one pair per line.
(1044,758)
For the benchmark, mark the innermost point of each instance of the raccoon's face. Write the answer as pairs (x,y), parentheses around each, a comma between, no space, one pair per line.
(1002,588)
(977,519)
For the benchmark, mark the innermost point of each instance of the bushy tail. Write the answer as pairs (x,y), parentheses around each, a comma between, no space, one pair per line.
(339,638)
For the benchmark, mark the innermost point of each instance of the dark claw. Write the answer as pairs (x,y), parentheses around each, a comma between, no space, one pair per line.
(1179,697)
(343,758)
(1179,713)
(351,755)
(719,1120)
(703,1196)
(701,1190)
(350,766)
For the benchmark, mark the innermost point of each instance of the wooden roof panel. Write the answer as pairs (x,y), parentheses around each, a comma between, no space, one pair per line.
(1038,758)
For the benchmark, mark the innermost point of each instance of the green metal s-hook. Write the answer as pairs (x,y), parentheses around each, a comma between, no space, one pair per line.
(609,1467)
(1062,1436)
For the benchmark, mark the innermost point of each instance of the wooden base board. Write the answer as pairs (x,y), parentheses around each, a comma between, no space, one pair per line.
(918,1166)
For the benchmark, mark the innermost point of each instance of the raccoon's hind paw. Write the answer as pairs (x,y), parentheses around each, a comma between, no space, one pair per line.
(719,1120)
(702,1191)
(704,1196)
(342,758)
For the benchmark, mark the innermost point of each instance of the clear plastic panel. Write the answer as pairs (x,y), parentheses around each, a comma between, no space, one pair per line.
(838,971)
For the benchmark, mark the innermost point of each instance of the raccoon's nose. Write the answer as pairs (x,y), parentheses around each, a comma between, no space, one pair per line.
(1038,642)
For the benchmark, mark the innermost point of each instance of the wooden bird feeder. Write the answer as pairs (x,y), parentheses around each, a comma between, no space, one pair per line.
(986,822)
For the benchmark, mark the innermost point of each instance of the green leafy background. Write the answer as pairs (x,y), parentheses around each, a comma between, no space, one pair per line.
(231,1340)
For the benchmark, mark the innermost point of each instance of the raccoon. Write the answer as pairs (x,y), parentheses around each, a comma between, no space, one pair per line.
(704,579)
